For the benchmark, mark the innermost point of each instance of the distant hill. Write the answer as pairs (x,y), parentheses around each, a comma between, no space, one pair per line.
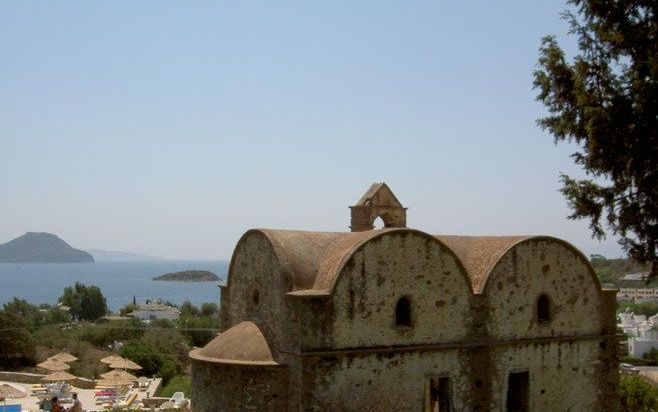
(101,255)
(35,247)
(189,276)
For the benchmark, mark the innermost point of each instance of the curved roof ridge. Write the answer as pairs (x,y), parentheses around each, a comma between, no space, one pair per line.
(338,254)
(480,254)
(343,250)
(242,344)
(298,252)
(568,245)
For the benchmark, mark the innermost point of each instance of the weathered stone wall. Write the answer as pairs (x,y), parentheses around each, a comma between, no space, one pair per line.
(383,382)
(387,268)
(609,356)
(220,387)
(564,376)
(21,377)
(37,378)
(344,346)
(255,290)
(538,267)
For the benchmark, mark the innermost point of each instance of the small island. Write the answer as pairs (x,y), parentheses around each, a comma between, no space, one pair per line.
(189,276)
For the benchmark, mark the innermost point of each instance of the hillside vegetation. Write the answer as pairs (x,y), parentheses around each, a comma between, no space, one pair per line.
(613,270)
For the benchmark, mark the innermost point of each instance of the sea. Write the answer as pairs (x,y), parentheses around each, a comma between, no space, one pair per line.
(119,282)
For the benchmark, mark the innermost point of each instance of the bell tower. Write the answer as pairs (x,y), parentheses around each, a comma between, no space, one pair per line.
(378,201)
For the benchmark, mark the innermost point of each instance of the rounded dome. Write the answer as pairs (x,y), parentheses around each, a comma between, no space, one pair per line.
(243,344)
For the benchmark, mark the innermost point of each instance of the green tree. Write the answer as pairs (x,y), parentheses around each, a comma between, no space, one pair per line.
(606,101)
(200,331)
(35,316)
(16,344)
(127,309)
(151,360)
(187,309)
(637,395)
(209,309)
(86,302)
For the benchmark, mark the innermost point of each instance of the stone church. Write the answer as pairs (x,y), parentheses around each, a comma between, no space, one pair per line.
(397,319)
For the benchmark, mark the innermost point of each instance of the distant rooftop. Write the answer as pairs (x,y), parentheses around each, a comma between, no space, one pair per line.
(635,276)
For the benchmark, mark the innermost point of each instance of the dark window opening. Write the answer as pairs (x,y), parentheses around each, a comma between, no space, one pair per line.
(440,395)
(255,296)
(543,309)
(518,389)
(403,312)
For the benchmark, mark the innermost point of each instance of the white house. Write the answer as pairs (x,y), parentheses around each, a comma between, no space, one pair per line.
(155,309)
(642,332)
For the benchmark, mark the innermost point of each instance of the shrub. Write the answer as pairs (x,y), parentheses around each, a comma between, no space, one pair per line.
(637,394)
(179,383)
(16,344)
(153,362)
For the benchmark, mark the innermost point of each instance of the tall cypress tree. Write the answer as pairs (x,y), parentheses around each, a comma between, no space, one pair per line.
(606,101)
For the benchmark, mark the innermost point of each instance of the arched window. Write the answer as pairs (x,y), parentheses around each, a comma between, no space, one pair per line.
(403,312)
(378,223)
(543,308)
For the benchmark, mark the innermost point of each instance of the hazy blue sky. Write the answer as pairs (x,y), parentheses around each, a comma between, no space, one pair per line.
(170,128)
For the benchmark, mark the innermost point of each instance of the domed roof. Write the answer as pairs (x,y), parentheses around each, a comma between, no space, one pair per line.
(479,254)
(243,344)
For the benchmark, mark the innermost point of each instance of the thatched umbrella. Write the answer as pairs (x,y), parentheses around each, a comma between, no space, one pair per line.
(59,377)
(115,381)
(63,357)
(119,374)
(8,391)
(53,365)
(111,359)
(125,364)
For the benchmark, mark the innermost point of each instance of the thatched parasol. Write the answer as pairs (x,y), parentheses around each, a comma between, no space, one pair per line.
(9,391)
(53,365)
(125,364)
(63,357)
(115,381)
(59,376)
(118,374)
(111,359)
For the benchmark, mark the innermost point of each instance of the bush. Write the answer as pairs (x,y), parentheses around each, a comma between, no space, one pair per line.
(153,362)
(187,309)
(167,341)
(201,330)
(106,334)
(638,361)
(644,308)
(637,394)
(179,383)
(16,344)
(33,315)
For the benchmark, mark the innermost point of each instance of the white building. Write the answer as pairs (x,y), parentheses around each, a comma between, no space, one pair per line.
(642,332)
(155,309)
